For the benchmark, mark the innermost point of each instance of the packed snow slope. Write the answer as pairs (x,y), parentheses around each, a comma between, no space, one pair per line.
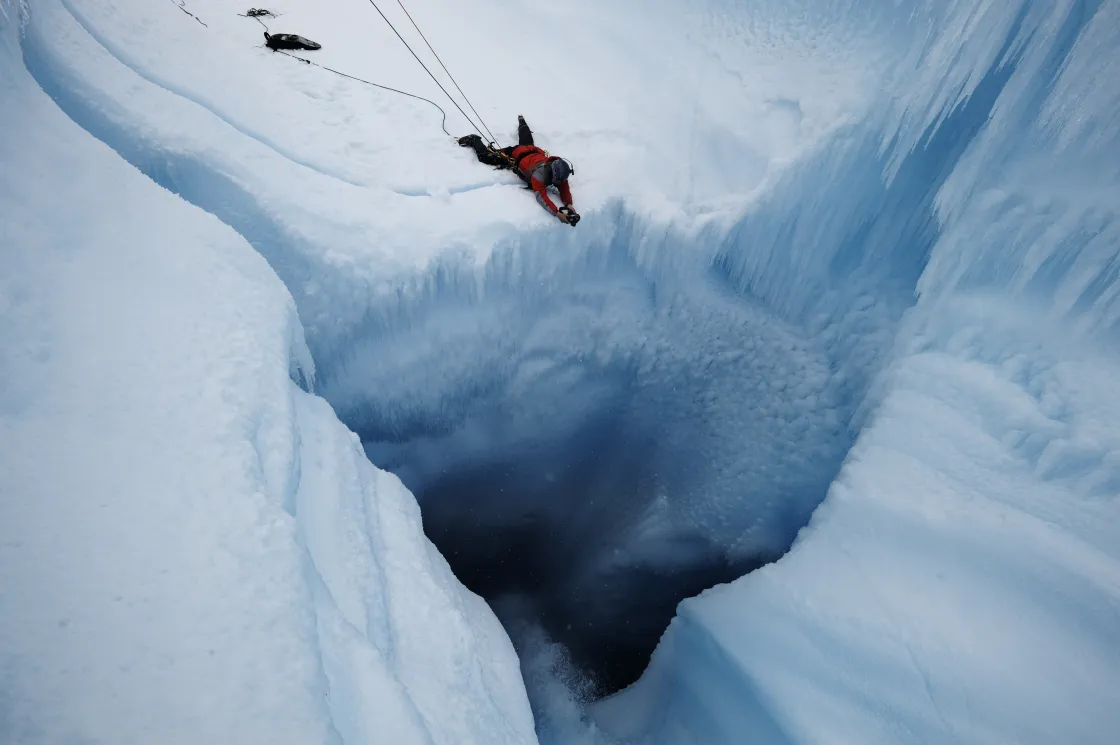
(840,259)
(192,548)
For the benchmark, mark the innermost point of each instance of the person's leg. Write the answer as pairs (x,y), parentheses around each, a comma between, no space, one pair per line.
(474,142)
(524,134)
(484,153)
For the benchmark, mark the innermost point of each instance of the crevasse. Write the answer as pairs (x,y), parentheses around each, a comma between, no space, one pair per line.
(905,332)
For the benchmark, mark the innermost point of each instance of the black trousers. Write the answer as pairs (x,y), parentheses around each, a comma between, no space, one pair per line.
(524,137)
(524,134)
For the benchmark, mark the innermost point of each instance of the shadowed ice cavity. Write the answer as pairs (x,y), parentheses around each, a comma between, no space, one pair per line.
(607,448)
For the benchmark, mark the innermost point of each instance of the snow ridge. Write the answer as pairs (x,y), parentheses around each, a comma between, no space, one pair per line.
(182,554)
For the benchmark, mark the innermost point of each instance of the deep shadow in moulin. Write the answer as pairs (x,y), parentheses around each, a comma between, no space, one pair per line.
(626,451)
(540,525)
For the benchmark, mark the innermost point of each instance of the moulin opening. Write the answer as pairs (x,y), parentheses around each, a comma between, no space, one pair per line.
(592,455)
(549,564)
(540,535)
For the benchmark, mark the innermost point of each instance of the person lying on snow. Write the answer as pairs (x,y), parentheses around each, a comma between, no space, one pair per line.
(536,167)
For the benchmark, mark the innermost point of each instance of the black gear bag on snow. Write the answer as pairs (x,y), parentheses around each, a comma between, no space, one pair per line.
(289,41)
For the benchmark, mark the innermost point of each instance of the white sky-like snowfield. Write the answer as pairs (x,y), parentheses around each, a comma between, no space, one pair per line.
(847,280)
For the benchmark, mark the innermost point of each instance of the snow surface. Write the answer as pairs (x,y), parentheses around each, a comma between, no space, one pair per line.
(192,548)
(844,259)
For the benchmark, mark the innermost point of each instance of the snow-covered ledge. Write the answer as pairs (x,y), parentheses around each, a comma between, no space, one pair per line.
(193,548)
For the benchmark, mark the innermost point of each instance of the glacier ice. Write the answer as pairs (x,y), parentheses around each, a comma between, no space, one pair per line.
(193,548)
(959,583)
(860,264)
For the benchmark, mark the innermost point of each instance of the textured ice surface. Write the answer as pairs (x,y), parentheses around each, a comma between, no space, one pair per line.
(846,248)
(192,548)
(960,582)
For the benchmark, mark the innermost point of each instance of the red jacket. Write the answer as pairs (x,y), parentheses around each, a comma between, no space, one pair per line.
(528,159)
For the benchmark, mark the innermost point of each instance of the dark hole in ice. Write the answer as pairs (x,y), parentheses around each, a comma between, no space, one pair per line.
(539,523)
(609,623)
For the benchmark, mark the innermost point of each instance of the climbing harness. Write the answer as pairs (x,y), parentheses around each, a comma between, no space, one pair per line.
(548,160)
(491,155)
(502,159)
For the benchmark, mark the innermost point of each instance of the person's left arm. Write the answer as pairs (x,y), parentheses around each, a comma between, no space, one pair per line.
(565,193)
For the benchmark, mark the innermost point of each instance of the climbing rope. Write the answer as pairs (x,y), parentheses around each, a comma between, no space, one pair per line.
(182,5)
(433,77)
(442,124)
(257,13)
(433,51)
